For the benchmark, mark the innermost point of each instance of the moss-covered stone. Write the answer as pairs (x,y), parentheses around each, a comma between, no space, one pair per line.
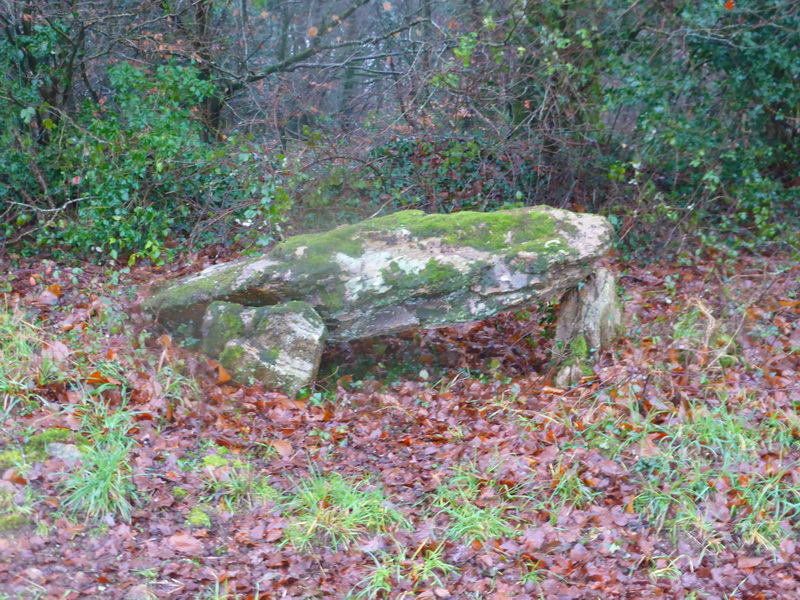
(184,302)
(226,321)
(11,521)
(222,323)
(48,436)
(589,320)
(397,272)
(197,517)
(10,459)
(281,346)
(231,355)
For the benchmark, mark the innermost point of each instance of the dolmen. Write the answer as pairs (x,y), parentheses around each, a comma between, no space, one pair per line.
(267,317)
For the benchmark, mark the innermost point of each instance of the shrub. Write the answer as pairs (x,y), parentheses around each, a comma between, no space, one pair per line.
(715,135)
(448,174)
(135,174)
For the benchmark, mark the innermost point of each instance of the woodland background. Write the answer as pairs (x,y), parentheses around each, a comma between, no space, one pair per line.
(130,128)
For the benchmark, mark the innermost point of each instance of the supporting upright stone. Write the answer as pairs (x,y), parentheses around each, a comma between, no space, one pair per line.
(589,320)
(280,345)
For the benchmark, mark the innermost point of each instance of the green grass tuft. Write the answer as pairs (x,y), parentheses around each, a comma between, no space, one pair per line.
(334,510)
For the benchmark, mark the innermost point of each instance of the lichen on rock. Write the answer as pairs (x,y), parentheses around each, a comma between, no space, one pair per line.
(279,345)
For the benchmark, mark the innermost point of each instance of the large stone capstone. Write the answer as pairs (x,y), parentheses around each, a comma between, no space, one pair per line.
(403,271)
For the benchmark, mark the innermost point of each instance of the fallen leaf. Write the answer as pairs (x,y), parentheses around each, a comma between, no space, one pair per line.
(648,448)
(56,351)
(629,508)
(283,447)
(552,390)
(748,562)
(185,543)
(787,547)
(578,553)
(274,530)
(256,533)
(97,378)
(47,298)
(223,375)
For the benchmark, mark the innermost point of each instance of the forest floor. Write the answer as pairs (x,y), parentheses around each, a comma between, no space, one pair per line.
(437,464)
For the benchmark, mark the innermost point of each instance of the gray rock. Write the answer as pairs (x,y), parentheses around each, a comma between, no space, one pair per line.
(589,320)
(66,452)
(279,345)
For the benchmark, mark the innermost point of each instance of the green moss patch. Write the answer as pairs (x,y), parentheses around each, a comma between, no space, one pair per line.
(343,239)
(214,461)
(269,357)
(231,355)
(197,517)
(294,307)
(579,348)
(13,521)
(10,459)
(36,446)
(521,229)
(226,324)
(333,300)
(49,436)
(434,274)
